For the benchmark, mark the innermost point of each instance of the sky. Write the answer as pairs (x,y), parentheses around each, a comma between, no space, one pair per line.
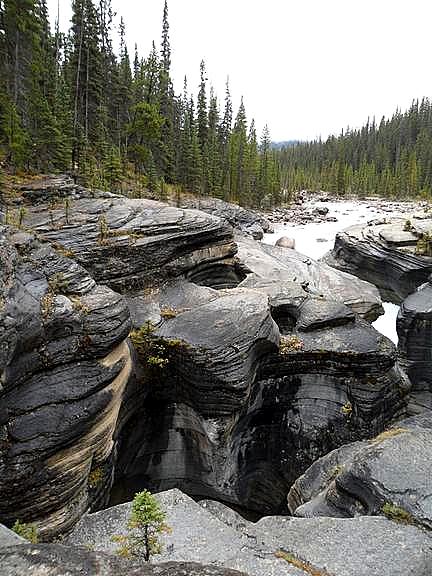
(307,68)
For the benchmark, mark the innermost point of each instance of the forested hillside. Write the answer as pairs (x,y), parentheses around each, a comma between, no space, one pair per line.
(70,102)
(392,158)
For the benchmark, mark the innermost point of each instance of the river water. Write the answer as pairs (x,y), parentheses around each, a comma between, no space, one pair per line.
(315,239)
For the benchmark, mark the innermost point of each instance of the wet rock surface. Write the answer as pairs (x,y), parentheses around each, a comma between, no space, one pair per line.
(388,253)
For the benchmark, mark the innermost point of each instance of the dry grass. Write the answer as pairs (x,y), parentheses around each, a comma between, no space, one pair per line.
(390,433)
(290,344)
(301,564)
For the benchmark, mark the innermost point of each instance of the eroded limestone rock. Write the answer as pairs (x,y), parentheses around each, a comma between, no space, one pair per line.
(389,475)
(386,254)
(64,366)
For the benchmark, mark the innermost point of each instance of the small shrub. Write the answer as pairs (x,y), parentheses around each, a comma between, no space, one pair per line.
(290,344)
(21,215)
(67,209)
(168,313)
(96,477)
(151,350)
(58,283)
(424,245)
(27,531)
(104,230)
(397,514)
(391,433)
(347,408)
(407,226)
(146,523)
(47,304)
(78,305)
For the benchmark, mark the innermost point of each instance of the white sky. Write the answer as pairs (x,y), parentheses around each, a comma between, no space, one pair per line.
(305,67)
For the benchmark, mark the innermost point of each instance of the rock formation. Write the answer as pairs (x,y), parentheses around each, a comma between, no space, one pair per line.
(246,221)
(64,365)
(58,560)
(236,365)
(250,361)
(394,255)
(414,326)
(389,475)
(281,546)
(281,264)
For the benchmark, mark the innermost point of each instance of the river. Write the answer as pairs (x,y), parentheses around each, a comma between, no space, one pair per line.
(315,239)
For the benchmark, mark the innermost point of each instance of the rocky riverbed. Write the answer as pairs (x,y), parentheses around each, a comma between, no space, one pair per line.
(152,346)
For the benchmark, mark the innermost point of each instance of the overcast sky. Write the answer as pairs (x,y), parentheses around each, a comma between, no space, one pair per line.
(305,67)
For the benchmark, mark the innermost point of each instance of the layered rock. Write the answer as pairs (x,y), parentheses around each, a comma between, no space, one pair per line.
(236,365)
(273,546)
(390,254)
(276,263)
(414,326)
(246,221)
(58,560)
(389,475)
(235,392)
(64,365)
(129,244)
(196,535)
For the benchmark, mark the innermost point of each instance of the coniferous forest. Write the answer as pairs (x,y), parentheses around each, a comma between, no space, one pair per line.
(68,102)
(391,159)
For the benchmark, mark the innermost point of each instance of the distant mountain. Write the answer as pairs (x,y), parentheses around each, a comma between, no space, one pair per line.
(284,144)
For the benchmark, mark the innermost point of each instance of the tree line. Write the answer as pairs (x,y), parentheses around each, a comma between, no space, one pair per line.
(70,102)
(391,159)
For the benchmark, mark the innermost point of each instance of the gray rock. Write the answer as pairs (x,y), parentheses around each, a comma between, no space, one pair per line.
(277,263)
(9,537)
(208,425)
(130,244)
(389,475)
(65,365)
(340,547)
(285,242)
(414,327)
(351,547)
(58,560)
(196,535)
(245,220)
(384,254)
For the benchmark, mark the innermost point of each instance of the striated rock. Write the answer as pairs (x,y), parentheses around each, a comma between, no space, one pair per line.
(247,221)
(64,365)
(414,327)
(350,546)
(389,475)
(196,535)
(385,254)
(274,546)
(231,394)
(208,424)
(273,262)
(58,560)
(130,244)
